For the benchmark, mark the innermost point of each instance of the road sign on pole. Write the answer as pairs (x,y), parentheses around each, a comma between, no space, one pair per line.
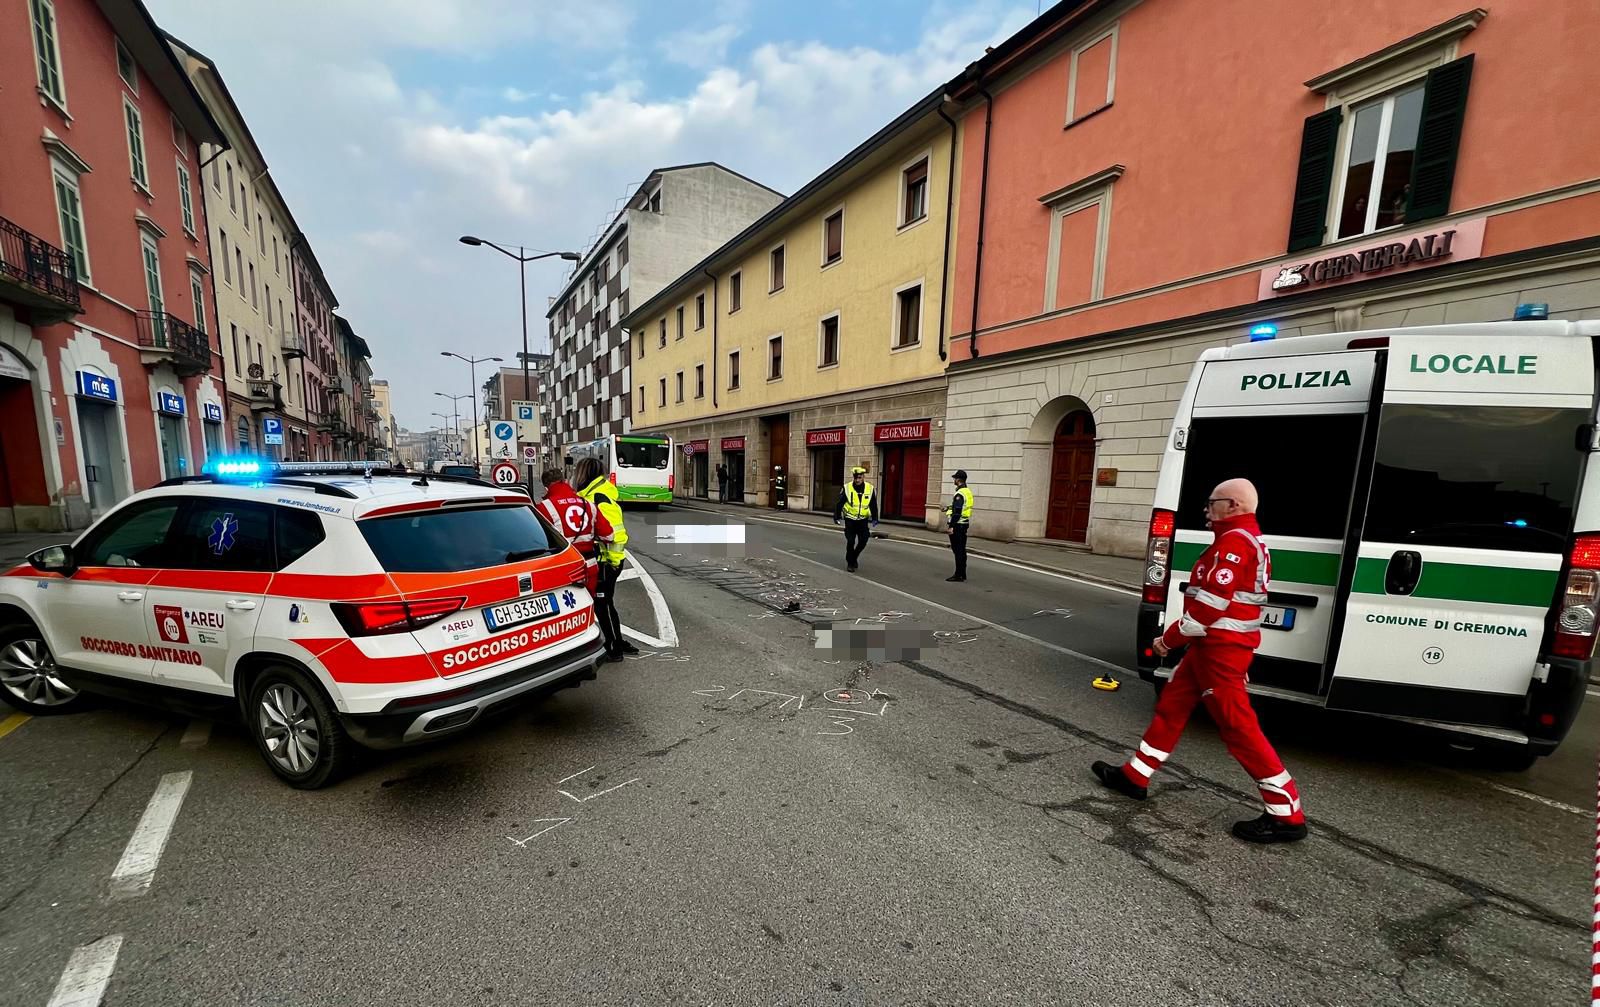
(503,440)
(530,454)
(505,474)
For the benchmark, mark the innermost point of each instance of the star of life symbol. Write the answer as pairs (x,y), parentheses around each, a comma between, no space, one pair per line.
(569,599)
(223,531)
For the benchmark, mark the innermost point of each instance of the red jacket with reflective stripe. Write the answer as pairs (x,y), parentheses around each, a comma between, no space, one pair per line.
(573,515)
(1228,586)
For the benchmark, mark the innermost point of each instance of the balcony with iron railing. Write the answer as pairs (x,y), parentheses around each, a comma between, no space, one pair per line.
(294,344)
(164,338)
(330,422)
(37,275)
(266,394)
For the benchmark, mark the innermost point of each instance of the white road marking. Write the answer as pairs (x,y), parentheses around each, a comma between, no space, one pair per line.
(971,557)
(88,972)
(1594,692)
(197,734)
(584,800)
(1547,802)
(658,603)
(558,822)
(1097,662)
(137,868)
(574,776)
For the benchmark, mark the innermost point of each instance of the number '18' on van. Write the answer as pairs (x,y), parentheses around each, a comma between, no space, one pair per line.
(1432,514)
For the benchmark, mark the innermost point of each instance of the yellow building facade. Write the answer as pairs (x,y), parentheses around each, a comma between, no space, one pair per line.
(815,340)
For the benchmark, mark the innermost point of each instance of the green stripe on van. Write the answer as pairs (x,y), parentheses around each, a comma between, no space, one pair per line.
(1497,585)
(1293,565)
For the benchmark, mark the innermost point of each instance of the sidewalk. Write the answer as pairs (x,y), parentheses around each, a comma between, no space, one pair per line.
(1114,571)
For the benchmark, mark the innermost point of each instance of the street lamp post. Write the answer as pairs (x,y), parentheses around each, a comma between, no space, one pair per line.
(455,404)
(455,420)
(472,372)
(523,258)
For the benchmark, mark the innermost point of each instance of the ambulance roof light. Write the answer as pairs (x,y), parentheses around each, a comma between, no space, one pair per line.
(1532,311)
(234,467)
(1263,331)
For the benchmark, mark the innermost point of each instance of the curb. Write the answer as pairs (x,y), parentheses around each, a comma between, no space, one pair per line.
(985,553)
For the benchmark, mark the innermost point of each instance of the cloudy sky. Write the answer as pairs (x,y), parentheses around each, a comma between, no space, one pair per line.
(393,126)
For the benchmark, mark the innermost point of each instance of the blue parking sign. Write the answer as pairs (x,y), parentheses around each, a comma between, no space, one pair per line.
(272,430)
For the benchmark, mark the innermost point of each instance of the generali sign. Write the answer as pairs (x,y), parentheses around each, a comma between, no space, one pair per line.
(825,438)
(915,430)
(1399,253)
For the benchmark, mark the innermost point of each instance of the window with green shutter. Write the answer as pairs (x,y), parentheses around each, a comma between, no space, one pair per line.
(1433,173)
(1319,140)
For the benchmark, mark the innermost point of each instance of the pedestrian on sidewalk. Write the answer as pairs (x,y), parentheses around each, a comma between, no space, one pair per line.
(574,517)
(1221,625)
(957,517)
(610,538)
(722,484)
(858,505)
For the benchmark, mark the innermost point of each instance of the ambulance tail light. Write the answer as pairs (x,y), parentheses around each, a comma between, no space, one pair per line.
(1579,610)
(376,618)
(1158,556)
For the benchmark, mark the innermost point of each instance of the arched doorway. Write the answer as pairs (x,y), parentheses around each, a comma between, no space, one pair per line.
(1071,478)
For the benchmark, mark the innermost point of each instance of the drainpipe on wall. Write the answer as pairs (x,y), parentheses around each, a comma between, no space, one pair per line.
(983,207)
(713,343)
(949,206)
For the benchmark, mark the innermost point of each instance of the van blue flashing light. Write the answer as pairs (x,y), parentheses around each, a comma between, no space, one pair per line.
(1531,312)
(1264,331)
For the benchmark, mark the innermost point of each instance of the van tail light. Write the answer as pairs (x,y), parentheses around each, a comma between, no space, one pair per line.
(1579,604)
(1158,556)
(375,618)
(672,482)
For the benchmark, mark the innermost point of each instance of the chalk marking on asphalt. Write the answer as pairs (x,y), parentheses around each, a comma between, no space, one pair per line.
(558,823)
(974,556)
(137,868)
(584,800)
(574,776)
(840,722)
(1537,799)
(658,604)
(787,699)
(197,734)
(13,722)
(88,971)
(1079,655)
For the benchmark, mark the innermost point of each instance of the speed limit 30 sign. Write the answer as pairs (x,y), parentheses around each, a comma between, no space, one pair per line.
(505,474)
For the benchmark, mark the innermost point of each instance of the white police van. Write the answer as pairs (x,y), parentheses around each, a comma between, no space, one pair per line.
(1432,514)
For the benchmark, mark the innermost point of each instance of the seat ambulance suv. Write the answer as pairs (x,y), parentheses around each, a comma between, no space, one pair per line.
(1431,500)
(324,606)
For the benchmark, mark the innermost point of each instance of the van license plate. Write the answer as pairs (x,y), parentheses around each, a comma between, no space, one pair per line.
(1273,617)
(514,613)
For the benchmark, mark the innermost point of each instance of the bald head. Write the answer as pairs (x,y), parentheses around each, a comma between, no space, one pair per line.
(1242,494)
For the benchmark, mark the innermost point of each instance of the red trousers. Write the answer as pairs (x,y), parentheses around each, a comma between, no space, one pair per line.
(1215,675)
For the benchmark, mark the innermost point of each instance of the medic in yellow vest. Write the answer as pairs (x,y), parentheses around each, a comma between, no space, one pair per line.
(858,505)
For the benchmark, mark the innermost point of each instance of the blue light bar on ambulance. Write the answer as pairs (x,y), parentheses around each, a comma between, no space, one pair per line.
(1263,331)
(234,468)
(1531,312)
(246,468)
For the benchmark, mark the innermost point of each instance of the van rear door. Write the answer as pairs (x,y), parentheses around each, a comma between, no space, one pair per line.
(1292,424)
(1459,545)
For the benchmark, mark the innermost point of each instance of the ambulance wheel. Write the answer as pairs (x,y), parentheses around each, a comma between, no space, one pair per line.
(29,679)
(296,729)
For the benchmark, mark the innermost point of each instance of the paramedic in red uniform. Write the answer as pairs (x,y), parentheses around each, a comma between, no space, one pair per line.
(1221,626)
(573,516)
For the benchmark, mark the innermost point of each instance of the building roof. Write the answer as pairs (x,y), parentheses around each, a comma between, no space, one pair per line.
(924,107)
(358,344)
(146,42)
(605,236)
(1042,30)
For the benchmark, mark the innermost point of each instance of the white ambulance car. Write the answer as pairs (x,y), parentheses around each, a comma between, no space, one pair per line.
(323,607)
(1432,515)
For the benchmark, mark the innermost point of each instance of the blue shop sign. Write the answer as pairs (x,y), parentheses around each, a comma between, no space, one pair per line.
(97,386)
(213,412)
(170,404)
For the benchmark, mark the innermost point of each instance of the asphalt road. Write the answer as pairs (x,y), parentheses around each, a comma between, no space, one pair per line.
(744,818)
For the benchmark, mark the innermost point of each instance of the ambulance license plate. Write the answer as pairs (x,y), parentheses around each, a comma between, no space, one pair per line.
(1273,617)
(514,613)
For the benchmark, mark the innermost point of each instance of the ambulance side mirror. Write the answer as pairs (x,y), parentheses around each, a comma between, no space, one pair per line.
(1585,439)
(53,559)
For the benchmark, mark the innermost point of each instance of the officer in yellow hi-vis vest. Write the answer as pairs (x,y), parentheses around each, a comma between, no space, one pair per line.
(610,538)
(858,505)
(957,516)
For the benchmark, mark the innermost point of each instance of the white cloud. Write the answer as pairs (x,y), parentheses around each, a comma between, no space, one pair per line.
(383,175)
(699,47)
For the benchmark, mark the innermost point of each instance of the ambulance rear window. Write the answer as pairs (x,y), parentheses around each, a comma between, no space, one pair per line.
(446,541)
(1480,477)
(1303,467)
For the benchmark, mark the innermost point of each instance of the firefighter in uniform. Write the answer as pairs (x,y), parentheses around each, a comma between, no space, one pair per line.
(610,538)
(573,516)
(1221,625)
(957,517)
(859,507)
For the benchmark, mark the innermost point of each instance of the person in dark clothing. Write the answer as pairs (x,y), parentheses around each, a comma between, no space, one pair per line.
(722,484)
(858,505)
(959,516)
